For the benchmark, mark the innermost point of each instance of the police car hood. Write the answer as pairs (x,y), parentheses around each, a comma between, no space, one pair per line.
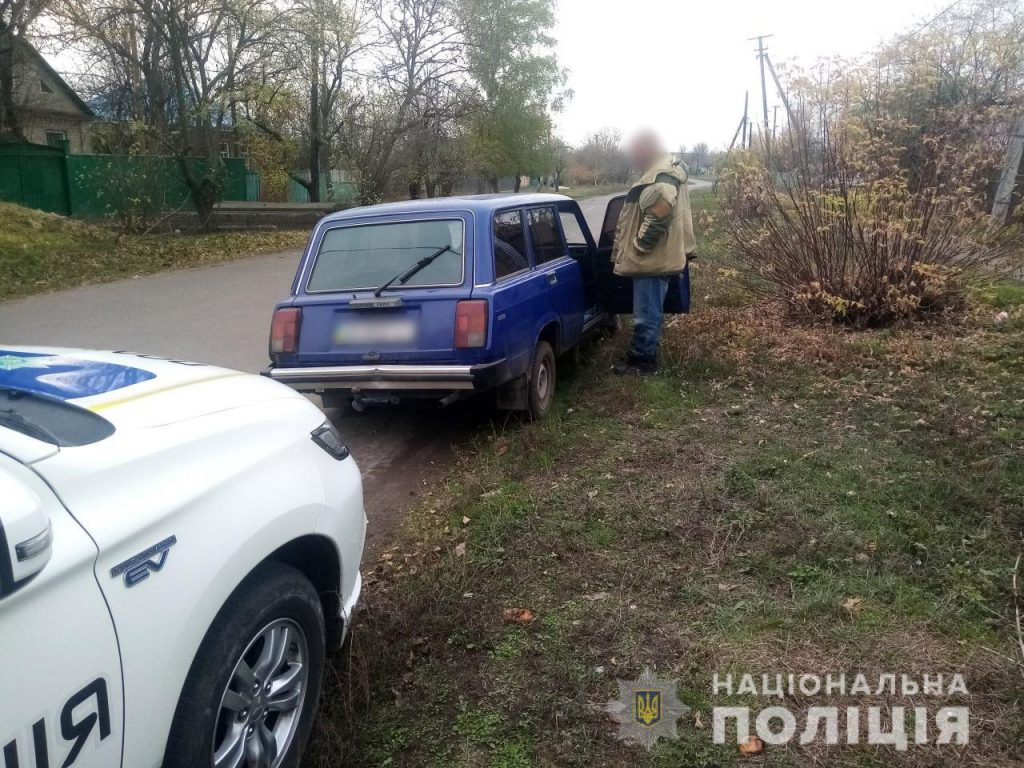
(132,392)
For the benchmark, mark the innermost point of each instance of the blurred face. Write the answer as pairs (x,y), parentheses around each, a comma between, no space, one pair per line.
(643,149)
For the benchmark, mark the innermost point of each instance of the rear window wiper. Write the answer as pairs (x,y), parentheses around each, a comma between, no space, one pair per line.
(407,275)
(21,423)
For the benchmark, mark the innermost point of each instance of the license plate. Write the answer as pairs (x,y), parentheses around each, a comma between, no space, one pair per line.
(375,331)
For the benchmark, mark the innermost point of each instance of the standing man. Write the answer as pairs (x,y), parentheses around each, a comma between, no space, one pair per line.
(653,239)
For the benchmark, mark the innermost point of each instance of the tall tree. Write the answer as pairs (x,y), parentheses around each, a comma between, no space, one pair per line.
(510,53)
(331,35)
(16,17)
(179,67)
(417,83)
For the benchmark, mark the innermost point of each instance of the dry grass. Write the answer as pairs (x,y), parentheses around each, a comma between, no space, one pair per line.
(714,518)
(41,252)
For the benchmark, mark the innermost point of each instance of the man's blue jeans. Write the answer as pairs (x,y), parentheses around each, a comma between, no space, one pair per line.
(648,311)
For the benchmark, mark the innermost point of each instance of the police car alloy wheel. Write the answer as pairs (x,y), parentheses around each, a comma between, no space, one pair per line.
(261,705)
(251,696)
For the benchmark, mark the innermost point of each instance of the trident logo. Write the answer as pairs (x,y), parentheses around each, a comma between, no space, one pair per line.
(647,708)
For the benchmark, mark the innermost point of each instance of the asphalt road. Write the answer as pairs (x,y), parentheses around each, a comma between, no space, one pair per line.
(221,315)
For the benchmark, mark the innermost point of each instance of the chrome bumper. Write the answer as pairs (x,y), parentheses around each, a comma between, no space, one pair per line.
(390,377)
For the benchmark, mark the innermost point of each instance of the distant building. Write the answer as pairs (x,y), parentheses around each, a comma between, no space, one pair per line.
(51,112)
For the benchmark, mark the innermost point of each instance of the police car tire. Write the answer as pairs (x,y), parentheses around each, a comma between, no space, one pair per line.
(541,389)
(272,591)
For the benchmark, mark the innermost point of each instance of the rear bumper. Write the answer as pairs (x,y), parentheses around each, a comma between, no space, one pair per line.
(390,378)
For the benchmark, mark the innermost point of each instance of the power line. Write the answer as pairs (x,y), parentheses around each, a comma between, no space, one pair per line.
(922,27)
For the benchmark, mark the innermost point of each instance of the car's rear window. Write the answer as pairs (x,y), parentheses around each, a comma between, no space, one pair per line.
(367,256)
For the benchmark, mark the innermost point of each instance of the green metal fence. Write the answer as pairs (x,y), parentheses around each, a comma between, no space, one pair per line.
(95,186)
(35,175)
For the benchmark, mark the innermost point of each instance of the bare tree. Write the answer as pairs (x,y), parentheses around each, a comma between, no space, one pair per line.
(331,36)
(178,67)
(16,17)
(418,80)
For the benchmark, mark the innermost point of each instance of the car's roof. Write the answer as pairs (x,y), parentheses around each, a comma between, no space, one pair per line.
(482,204)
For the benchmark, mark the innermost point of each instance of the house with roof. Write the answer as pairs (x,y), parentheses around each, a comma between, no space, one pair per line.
(50,110)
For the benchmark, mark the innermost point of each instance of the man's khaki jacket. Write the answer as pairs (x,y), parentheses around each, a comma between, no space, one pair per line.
(666,179)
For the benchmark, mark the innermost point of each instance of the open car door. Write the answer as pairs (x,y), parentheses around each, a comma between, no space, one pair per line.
(616,293)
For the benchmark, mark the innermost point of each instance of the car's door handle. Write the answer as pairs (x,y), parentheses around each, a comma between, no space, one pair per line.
(553,278)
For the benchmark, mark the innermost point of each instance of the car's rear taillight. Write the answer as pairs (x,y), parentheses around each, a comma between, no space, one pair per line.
(284,331)
(470,324)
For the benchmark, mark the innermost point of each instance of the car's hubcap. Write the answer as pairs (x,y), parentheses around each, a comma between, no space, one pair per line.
(543,381)
(262,703)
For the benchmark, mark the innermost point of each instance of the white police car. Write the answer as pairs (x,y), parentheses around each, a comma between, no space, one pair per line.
(179,549)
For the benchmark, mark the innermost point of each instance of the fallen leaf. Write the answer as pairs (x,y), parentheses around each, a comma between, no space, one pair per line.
(518,615)
(862,557)
(853,603)
(597,596)
(723,587)
(591,494)
(752,746)
(465,520)
(460,549)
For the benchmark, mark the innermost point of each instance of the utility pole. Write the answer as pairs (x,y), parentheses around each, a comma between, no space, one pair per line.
(761,56)
(782,92)
(746,121)
(742,127)
(1008,179)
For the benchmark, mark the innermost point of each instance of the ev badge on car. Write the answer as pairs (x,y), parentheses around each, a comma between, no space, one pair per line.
(138,567)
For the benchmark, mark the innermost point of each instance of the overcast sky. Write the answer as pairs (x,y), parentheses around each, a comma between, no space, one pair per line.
(681,67)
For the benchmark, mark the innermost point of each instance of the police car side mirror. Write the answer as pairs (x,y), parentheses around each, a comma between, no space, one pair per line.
(26,538)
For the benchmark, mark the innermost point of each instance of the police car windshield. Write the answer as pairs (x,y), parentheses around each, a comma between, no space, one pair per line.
(50,420)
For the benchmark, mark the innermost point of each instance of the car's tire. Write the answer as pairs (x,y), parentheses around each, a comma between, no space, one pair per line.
(269,632)
(541,386)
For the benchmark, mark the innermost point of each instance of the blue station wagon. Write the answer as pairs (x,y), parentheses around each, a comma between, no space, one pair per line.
(446,297)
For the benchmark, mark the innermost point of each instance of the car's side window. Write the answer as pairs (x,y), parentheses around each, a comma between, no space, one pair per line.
(509,244)
(573,231)
(544,234)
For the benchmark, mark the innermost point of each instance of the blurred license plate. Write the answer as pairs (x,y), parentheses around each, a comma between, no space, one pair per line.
(375,331)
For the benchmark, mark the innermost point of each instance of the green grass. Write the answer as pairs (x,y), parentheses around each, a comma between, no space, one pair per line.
(41,252)
(718,517)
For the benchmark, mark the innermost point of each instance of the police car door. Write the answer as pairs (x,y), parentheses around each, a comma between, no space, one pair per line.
(60,672)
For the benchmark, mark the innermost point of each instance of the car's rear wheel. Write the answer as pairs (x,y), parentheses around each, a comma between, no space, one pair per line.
(252,692)
(542,381)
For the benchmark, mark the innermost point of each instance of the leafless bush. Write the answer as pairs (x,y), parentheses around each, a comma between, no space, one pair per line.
(840,229)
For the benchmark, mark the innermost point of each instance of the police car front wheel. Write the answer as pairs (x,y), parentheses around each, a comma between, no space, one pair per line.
(254,686)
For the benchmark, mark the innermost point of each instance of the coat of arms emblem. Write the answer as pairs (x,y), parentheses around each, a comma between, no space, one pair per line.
(647,709)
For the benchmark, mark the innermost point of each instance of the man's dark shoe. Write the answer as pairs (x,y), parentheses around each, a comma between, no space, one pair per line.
(636,365)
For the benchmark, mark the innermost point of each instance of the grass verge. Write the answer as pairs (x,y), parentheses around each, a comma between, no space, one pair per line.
(582,193)
(41,252)
(779,499)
